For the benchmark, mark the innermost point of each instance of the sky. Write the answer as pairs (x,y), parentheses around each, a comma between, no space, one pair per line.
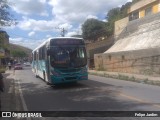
(39,20)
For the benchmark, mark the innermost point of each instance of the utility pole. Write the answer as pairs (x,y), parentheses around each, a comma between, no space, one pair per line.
(63,31)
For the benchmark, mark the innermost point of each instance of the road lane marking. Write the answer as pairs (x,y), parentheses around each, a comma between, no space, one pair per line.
(139,100)
(22,97)
(10,89)
(131,97)
(19,90)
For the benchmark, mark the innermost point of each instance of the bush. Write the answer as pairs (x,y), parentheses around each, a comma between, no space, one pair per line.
(2,69)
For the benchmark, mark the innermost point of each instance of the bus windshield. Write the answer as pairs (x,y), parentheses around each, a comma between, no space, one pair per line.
(68,57)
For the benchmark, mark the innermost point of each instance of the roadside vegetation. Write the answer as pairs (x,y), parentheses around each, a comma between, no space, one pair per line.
(127,78)
(92,28)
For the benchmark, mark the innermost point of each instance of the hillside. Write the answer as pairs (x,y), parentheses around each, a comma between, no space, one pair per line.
(22,48)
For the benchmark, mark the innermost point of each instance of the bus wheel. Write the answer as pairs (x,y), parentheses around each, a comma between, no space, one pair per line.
(74,83)
(36,76)
(48,83)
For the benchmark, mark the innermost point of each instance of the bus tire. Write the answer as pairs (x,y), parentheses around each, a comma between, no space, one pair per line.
(36,76)
(48,83)
(74,83)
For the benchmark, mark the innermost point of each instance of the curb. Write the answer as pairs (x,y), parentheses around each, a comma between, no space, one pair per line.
(128,77)
(10,98)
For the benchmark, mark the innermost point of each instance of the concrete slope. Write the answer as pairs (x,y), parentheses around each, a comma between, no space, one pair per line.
(140,35)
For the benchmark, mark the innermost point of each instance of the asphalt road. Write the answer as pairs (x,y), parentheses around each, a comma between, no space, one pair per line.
(96,94)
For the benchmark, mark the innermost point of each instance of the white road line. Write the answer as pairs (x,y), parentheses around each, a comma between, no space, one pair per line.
(23,100)
(10,89)
(22,97)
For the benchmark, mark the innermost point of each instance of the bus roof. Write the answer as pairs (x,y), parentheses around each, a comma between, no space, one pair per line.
(49,39)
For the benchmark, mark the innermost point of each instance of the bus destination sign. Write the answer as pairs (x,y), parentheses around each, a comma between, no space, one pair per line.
(67,41)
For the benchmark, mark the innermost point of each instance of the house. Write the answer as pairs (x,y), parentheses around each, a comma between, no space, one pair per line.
(143,8)
(138,10)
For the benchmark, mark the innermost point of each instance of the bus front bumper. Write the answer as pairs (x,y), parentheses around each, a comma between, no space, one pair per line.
(67,79)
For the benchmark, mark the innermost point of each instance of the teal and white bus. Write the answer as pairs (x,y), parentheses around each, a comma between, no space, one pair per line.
(60,60)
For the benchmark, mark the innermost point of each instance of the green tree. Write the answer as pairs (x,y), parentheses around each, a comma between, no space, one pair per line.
(114,15)
(124,9)
(18,53)
(6,19)
(2,41)
(134,1)
(92,29)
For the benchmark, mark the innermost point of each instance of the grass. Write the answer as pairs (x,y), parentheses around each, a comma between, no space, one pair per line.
(2,69)
(127,78)
(123,77)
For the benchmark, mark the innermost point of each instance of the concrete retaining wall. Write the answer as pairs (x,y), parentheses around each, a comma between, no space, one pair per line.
(146,61)
(98,47)
(137,49)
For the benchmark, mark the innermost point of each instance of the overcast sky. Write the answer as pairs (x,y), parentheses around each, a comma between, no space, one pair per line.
(39,19)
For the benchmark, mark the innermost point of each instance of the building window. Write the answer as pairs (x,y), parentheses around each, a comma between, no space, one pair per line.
(134,15)
(148,11)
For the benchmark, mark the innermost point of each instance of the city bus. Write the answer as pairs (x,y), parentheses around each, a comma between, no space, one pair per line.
(60,60)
